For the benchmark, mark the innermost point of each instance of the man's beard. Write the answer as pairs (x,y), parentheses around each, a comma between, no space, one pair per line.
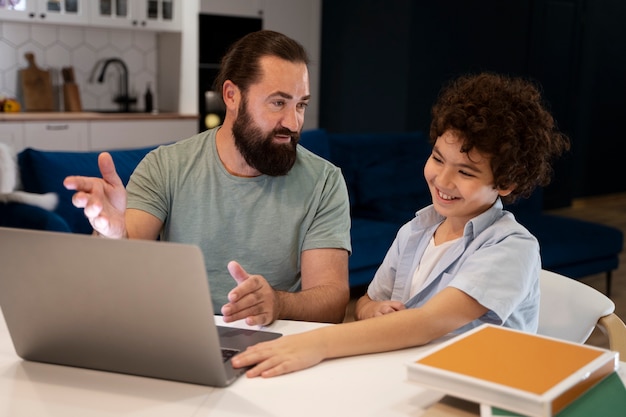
(258,148)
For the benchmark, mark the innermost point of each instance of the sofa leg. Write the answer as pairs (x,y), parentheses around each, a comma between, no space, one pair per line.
(608,283)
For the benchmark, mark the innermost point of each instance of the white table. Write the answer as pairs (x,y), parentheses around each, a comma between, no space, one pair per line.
(370,385)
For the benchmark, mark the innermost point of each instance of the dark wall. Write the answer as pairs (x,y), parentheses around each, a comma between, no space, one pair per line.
(602,143)
(383,63)
(365,65)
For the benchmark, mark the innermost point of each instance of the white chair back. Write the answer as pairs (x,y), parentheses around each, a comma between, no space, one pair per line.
(569,309)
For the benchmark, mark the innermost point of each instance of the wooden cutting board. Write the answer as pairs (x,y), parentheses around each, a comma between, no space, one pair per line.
(37,86)
(71,95)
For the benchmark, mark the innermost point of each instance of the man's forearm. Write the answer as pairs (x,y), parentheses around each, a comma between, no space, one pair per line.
(321,304)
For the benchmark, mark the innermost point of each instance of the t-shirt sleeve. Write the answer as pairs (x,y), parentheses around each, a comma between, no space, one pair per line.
(147,187)
(331,224)
(499,276)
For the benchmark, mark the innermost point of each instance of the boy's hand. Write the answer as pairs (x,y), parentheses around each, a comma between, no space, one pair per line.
(373,308)
(283,355)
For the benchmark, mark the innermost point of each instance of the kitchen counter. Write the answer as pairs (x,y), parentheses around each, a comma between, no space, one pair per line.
(86,115)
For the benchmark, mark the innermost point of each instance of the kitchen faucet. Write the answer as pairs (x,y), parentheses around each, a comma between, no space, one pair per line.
(123,99)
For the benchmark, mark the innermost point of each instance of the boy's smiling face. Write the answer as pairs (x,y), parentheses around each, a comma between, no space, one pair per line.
(461,184)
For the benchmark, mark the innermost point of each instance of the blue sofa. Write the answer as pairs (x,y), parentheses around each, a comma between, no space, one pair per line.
(384,176)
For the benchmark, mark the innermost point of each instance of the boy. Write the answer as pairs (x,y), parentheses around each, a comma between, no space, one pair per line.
(462,261)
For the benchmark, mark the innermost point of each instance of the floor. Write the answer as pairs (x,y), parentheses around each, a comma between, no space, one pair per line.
(609,210)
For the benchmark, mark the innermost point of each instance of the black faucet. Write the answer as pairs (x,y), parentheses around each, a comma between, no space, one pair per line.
(123,99)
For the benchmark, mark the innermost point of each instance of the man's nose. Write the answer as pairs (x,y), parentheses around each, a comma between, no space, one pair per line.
(292,120)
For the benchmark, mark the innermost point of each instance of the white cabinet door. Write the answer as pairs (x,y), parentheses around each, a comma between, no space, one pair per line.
(161,15)
(157,15)
(71,12)
(111,135)
(12,134)
(56,136)
(23,10)
(112,13)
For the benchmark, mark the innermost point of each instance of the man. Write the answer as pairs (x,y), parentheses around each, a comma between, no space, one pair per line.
(243,192)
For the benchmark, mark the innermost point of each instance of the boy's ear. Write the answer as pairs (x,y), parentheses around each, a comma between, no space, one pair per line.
(506,191)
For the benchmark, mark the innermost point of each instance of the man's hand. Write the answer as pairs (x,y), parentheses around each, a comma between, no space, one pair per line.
(103,199)
(367,308)
(253,299)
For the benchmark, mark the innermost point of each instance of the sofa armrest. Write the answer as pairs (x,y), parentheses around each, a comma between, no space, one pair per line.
(25,216)
(44,171)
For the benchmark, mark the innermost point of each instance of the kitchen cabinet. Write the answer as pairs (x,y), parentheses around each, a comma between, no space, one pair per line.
(108,135)
(13,135)
(61,135)
(71,12)
(157,15)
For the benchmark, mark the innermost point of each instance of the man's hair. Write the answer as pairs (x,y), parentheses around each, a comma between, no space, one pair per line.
(241,64)
(506,119)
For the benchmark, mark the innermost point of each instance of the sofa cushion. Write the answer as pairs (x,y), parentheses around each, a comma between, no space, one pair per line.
(370,241)
(44,171)
(316,140)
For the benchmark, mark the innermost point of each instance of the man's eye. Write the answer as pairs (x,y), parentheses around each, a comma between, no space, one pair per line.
(436,159)
(466,174)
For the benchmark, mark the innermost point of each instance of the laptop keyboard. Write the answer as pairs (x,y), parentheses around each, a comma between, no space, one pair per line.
(228,353)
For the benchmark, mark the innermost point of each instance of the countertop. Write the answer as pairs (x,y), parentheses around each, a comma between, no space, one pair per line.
(87,116)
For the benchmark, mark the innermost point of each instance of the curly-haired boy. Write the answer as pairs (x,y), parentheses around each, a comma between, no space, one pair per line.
(463,260)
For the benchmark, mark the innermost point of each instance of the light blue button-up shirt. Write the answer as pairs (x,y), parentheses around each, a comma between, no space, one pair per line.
(496,262)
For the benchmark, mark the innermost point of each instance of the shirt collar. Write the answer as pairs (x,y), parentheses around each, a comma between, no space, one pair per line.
(428,216)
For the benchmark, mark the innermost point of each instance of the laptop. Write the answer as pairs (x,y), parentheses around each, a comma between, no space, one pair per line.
(127,306)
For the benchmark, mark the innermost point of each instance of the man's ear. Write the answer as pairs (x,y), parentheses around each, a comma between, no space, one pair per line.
(231,95)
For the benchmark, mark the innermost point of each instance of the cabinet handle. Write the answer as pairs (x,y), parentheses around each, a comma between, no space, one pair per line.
(57,127)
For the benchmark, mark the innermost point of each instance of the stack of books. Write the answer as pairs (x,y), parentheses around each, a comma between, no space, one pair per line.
(512,373)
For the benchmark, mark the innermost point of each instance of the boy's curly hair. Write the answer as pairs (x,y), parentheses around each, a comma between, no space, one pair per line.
(505,118)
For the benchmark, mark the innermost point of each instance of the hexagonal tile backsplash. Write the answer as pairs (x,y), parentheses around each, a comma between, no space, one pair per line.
(85,49)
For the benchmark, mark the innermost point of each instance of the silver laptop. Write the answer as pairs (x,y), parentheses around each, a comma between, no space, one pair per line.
(127,306)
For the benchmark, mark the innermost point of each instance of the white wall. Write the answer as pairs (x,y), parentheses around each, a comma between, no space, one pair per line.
(57,46)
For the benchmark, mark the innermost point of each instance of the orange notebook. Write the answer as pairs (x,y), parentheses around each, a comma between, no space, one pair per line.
(522,372)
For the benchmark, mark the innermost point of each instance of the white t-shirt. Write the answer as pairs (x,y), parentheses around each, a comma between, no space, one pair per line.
(432,255)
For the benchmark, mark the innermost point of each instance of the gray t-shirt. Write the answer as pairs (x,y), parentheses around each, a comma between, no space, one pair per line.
(264,223)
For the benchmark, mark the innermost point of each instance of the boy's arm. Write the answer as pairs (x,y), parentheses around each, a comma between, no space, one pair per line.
(445,312)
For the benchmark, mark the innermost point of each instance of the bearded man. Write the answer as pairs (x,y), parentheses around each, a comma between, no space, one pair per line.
(245,193)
